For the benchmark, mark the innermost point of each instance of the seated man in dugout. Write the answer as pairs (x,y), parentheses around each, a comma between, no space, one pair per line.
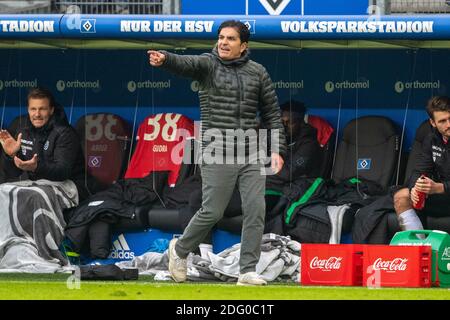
(431,176)
(304,155)
(302,160)
(42,145)
(43,172)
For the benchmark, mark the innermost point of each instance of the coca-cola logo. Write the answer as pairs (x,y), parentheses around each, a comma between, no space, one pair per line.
(332,263)
(397,264)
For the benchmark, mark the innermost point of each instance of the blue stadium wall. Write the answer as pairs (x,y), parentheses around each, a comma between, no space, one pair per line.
(283,7)
(339,85)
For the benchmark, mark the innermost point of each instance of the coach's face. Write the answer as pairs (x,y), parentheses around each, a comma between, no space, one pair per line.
(441,121)
(229,44)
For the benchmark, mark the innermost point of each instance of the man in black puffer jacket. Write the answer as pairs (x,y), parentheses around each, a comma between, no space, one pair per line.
(42,145)
(232,89)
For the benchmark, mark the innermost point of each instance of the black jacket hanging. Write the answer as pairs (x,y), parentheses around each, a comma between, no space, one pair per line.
(118,201)
(306,217)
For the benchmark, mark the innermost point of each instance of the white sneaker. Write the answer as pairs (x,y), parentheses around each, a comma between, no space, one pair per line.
(250,279)
(177,266)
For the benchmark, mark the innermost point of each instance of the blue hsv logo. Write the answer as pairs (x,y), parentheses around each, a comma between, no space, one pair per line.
(88,25)
(364,164)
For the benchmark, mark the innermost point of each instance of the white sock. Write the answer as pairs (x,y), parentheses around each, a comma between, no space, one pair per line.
(409,220)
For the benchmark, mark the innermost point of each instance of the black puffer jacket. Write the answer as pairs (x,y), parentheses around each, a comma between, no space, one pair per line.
(57,146)
(231,93)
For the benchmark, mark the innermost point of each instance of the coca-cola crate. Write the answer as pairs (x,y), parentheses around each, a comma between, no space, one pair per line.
(397,266)
(331,264)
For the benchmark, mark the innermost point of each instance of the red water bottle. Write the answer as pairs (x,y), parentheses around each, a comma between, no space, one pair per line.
(421,203)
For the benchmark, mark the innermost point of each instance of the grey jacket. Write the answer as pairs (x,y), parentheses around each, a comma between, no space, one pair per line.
(232,93)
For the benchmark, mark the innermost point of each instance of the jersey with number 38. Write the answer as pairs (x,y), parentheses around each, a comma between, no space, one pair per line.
(160,142)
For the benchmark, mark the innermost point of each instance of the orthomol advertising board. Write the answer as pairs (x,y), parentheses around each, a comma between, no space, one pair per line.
(321,78)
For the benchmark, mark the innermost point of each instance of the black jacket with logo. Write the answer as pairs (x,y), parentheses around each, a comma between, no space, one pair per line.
(58,149)
(302,160)
(434,161)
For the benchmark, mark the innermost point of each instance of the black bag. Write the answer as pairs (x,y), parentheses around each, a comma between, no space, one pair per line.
(107,272)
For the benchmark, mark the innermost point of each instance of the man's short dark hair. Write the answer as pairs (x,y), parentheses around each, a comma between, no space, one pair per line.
(296,108)
(244,33)
(42,93)
(438,103)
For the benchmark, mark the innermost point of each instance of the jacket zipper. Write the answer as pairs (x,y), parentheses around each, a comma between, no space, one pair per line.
(240,97)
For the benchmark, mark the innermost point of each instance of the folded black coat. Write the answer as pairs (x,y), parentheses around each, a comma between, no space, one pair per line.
(118,201)
(107,272)
(306,217)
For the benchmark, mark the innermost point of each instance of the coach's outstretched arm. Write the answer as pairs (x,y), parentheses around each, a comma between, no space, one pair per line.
(190,66)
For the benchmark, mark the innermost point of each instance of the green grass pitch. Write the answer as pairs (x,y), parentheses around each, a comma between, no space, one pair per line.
(55,287)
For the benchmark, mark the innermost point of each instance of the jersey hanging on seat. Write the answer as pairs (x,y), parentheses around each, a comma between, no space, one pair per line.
(105,141)
(161,139)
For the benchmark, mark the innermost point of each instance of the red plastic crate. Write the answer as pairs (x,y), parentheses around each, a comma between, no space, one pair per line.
(331,264)
(397,266)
